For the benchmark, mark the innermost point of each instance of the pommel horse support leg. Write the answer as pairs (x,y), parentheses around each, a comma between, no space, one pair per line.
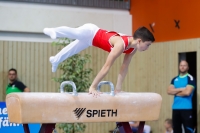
(72,107)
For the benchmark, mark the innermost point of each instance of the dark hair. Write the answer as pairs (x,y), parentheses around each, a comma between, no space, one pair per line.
(169,121)
(144,34)
(13,69)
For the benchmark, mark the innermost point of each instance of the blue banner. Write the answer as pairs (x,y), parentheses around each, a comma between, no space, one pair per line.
(7,127)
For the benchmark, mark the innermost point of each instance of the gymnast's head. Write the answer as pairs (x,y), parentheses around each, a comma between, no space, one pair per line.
(144,38)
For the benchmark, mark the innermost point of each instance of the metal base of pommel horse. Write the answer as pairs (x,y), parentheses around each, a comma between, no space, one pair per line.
(110,107)
(123,127)
(45,128)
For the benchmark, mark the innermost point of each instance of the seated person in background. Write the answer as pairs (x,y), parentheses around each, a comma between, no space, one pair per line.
(168,126)
(14,85)
(135,124)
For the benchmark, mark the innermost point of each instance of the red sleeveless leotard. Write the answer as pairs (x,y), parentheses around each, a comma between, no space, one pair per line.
(101,40)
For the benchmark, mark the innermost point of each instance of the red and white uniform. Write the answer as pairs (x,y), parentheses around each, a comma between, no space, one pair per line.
(102,38)
(86,35)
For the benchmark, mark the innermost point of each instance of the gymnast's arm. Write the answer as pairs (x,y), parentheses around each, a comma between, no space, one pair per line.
(124,70)
(115,52)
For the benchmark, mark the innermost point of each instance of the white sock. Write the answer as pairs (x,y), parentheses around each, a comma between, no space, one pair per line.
(54,65)
(50,32)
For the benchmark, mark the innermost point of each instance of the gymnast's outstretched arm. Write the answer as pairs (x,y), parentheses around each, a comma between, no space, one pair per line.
(115,52)
(124,70)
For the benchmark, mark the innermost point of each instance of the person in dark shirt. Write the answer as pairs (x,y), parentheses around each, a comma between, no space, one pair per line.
(14,85)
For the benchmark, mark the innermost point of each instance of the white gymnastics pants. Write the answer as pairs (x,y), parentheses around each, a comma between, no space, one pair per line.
(84,36)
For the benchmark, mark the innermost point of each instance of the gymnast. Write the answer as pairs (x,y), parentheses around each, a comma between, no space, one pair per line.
(110,41)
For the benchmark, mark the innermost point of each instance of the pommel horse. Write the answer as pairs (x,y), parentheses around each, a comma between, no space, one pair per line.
(72,107)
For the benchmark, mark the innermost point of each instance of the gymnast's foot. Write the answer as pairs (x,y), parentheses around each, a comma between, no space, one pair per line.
(54,66)
(50,32)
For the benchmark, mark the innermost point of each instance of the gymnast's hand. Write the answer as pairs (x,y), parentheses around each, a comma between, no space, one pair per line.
(94,92)
(117,91)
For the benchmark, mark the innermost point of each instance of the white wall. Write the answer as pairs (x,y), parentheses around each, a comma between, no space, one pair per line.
(32,18)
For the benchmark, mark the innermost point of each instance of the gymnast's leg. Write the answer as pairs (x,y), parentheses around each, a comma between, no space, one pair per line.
(68,51)
(84,35)
(83,32)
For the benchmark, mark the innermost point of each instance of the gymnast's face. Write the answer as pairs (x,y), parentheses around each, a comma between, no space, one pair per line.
(142,46)
(12,76)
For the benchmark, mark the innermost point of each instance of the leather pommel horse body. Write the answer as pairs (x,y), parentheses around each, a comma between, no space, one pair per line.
(51,108)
